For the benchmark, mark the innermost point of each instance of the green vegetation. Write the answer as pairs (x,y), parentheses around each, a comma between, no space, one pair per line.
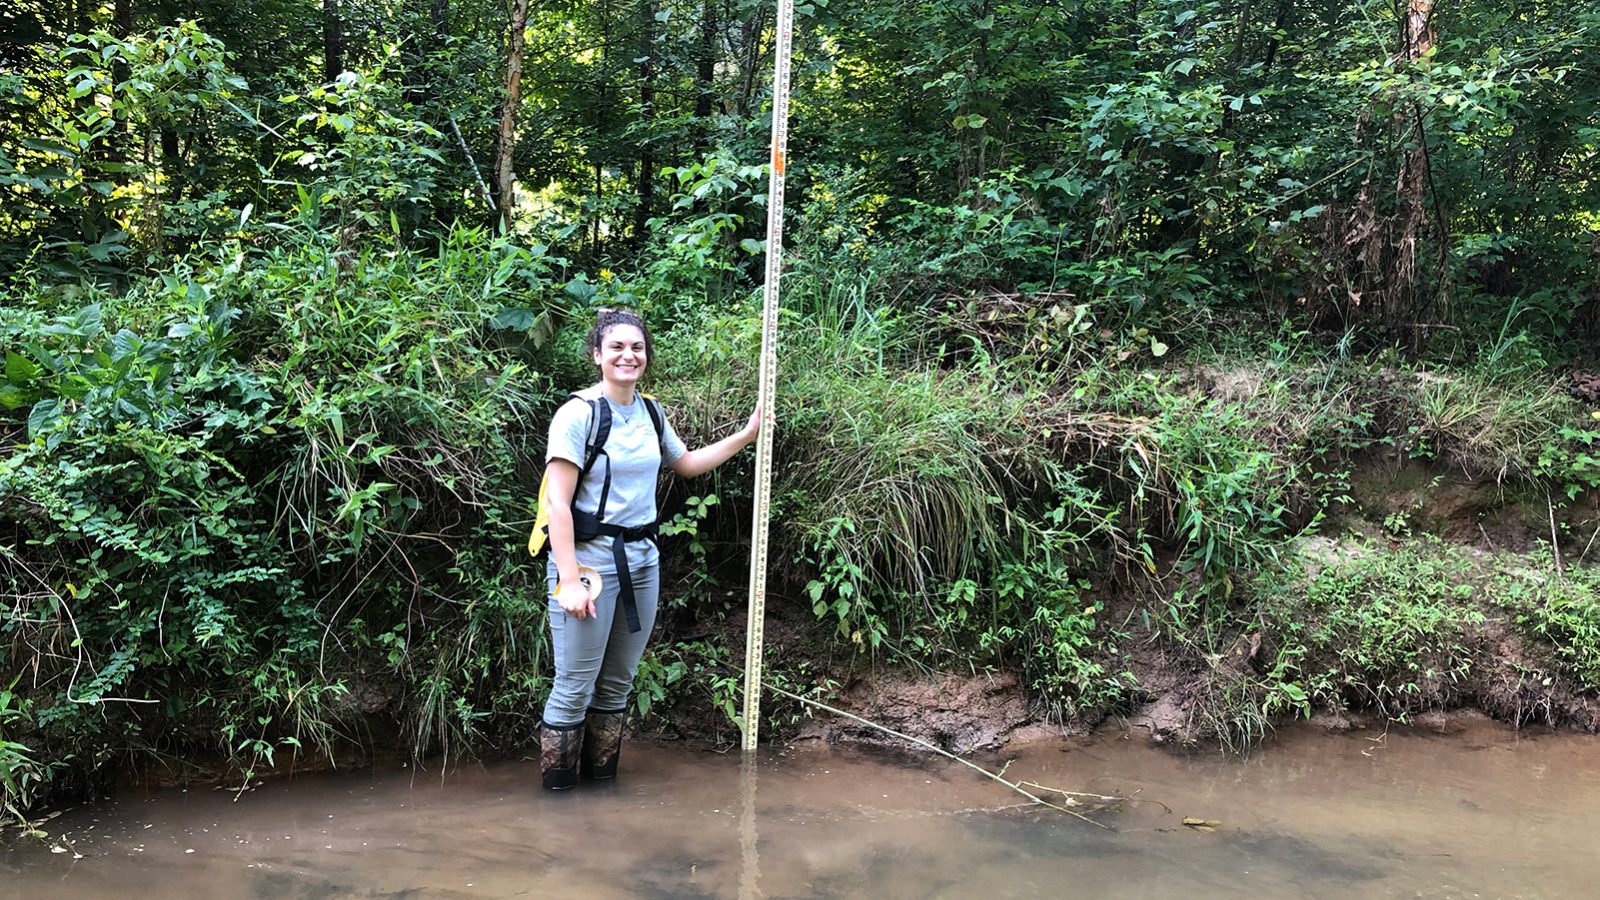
(229,514)
(1386,632)
(1562,613)
(1097,316)
(1423,627)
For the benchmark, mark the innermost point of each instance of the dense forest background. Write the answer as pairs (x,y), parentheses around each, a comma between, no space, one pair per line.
(1094,313)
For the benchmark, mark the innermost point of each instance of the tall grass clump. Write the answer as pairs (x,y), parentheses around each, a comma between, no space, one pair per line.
(922,512)
(894,471)
(1487,426)
(901,475)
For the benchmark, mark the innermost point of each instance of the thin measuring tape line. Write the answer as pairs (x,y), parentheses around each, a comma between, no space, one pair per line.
(767,388)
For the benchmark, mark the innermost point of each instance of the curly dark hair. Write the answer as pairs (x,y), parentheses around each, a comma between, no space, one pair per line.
(609,318)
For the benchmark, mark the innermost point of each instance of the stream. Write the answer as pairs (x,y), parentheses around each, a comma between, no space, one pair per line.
(1481,812)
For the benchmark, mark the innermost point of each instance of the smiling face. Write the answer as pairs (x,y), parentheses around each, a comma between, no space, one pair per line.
(622,355)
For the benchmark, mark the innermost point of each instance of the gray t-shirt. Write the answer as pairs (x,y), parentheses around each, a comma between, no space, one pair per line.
(636,460)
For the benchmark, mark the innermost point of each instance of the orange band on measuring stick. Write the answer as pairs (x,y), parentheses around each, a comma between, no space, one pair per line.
(777,162)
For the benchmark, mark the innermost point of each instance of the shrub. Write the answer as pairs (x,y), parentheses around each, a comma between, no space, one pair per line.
(252,500)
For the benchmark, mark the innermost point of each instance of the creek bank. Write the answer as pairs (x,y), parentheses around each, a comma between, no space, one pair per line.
(965,713)
(1460,569)
(1180,693)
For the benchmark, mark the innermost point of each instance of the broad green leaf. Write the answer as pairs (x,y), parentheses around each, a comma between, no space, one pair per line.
(518,318)
(19,368)
(13,397)
(43,417)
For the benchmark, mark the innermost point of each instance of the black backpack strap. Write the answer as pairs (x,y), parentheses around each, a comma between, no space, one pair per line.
(599,430)
(588,526)
(658,418)
(594,448)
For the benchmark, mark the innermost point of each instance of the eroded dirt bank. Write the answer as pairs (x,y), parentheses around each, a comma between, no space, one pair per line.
(1431,598)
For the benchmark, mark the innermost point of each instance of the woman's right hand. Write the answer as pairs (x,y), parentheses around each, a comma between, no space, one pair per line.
(562,480)
(573,595)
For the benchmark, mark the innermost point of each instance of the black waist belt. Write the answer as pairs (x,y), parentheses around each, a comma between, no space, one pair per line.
(620,538)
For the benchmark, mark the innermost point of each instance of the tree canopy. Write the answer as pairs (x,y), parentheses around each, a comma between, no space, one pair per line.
(1393,167)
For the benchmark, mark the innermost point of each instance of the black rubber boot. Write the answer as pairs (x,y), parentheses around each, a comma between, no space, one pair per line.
(560,747)
(602,742)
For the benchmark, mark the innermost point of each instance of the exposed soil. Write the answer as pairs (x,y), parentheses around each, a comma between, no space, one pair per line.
(1405,496)
(1508,682)
(1516,683)
(956,713)
(1510,679)
(961,713)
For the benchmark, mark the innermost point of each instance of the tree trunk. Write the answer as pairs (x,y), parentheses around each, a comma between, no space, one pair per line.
(705,75)
(432,67)
(645,185)
(121,29)
(122,19)
(1407,304)
(1276,38)
(172,163)
(332,41)
(505,178)
(974,141)
(1241,26)
(438,40)
(417,52)
(120,146)
(752,46)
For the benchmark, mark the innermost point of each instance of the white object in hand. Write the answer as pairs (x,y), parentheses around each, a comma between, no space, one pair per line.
(592,583)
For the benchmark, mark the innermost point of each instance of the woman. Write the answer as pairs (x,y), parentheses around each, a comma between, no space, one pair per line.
(611,474)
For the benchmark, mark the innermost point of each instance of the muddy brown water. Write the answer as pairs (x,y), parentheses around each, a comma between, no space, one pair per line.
(1483,812)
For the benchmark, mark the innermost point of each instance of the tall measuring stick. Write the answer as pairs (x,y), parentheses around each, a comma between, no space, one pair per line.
(767,387)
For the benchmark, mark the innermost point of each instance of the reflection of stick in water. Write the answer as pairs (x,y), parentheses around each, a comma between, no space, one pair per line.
(1068,798)
(750,875)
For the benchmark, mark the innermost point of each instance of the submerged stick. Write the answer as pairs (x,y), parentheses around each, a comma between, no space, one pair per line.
(1069,797)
